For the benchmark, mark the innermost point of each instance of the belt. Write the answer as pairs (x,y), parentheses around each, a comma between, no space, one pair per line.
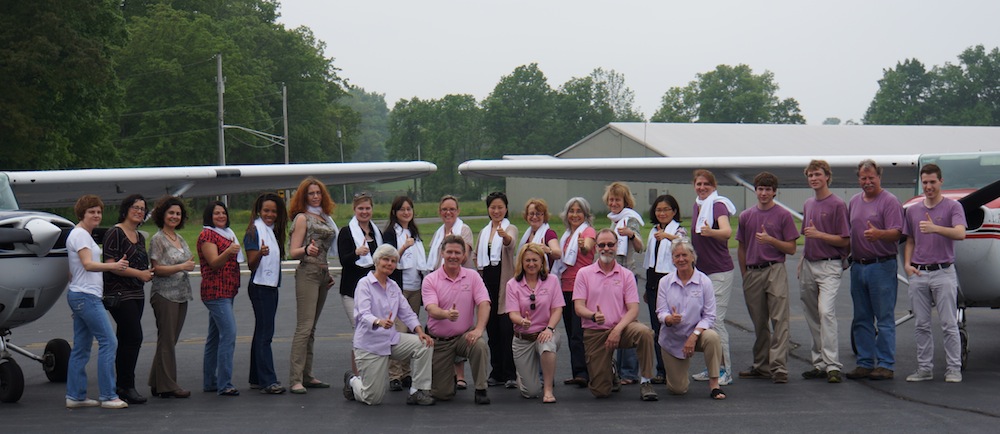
(932,267)
(832,258)
(874,260)
(436,338)
(761,266)
(526,336)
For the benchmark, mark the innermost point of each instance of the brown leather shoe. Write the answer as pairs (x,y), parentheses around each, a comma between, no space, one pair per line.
(755,374)
(859,373)
(881,373)
(779,378)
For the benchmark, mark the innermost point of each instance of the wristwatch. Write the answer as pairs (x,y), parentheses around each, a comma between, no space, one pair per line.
(551,329)
(697,332)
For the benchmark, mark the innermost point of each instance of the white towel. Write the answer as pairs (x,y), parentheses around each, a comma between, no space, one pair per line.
(269,267)
(228,234)
(414,256)
(664,261)
(572,249)
(434,255)
(493,246)
(620,220)
(706,214)
(358,236)
(538,238)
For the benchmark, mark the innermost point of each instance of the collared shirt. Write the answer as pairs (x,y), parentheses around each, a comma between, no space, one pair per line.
(829,215)
(218,283)
(465,293)
(779,224)
(548,296)
(373,302)
(933,248)
(695,302)
(884,212)
(611,291)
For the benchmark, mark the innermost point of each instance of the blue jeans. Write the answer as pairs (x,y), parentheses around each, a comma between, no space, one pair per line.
(90,321)
(265,306)
(219,345)
(873,290)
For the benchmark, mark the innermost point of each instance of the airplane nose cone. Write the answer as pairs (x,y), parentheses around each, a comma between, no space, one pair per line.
(43,236)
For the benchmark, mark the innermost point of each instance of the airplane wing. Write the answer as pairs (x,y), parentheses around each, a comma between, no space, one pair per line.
(49,188)
(898,170)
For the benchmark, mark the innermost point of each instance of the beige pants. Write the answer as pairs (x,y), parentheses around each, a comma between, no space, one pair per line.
(635,335)
(677,369)
(443,378)
(766,294)
(401,368)
(528,362)
(311,288)
(819,282)
(371,384)
(169,321)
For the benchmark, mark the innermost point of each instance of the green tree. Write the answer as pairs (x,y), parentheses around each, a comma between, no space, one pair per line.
(582,106)
(620,97)
(729,95)
(518,114)
(902,95)
(374,128)
(60,97)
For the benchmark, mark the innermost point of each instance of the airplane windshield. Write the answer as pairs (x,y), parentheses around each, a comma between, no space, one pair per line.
(973,170)
(7,201)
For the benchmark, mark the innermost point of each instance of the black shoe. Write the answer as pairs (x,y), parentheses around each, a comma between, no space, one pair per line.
(481,398)
(395,385)
(492,382)
(407,381)
(420,398)
(131,396)
(348,390)
(814,374)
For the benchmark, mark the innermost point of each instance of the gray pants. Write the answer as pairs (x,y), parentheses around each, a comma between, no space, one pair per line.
(722,283)
(528,360)
(941,287)
(819,282)
(370,386)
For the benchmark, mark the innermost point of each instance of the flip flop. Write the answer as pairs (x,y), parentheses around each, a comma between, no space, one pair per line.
(549,400)
(717,394)
(461,384)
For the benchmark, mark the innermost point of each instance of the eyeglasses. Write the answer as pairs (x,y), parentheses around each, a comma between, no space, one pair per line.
(664,209)
(536,214)
(361,194)
(137,208)
(532,298)
(605,245)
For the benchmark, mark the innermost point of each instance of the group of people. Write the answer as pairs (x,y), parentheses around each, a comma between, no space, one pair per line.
(498,301)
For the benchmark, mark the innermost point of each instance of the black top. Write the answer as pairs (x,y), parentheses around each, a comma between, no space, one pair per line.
(352,273)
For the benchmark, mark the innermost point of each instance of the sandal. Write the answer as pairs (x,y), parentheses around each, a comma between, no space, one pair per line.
(627,381)
(461,384)
(717,394)
(549,399)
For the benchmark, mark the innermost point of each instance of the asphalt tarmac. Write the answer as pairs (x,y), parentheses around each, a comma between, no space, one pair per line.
(752,405)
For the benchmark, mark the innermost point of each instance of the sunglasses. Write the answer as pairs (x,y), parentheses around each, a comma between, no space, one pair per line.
(605,245)
(532,298)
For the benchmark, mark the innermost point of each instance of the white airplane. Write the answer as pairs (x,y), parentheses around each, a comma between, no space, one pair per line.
(34,268)
(972,178)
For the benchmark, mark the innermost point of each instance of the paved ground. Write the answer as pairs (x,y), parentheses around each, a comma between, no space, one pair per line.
(753,405)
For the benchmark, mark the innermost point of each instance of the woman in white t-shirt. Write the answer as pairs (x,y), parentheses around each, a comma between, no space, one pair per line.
(90,320)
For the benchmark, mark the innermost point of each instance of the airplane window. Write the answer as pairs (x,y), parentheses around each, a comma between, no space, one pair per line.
(966,170)
(7,201)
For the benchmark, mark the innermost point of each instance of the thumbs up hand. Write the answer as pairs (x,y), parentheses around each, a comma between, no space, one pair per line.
(598,316)
(311,249)
(810,230)
(928,226)
(762,236)
(872,233)
(453,313)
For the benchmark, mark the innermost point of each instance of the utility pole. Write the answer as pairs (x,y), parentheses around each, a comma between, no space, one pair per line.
(284,115)
(221,87)
(340,139)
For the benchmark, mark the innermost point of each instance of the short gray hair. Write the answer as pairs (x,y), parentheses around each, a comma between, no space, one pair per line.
(684,243)
(385,250)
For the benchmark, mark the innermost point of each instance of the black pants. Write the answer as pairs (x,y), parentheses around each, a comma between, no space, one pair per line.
(499,329)
(128,317)
(574,334)
(652,292)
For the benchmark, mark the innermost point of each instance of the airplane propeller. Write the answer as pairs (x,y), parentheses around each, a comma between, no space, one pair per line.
(37,235)
(973,202)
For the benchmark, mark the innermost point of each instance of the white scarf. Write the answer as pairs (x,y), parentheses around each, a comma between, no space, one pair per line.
(571,250)
(620,219)
(359,240)
(706,214)
(228,234)
(332,253)
(434,255)
(493,246)
(664,263)
(269,267)
(414,256)
(538,238)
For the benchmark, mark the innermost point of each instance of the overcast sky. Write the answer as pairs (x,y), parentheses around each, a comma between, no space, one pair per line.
(829,55)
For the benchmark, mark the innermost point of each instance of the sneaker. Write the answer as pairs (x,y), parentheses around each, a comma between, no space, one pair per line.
(74,403)
(510,384)
(920,375)
(481,397)
(646,392)
(881,373)
(756,374)
(779,378)
(702,376)
(616,384)
(114,404)
(953,376)
(274,389)
(833,376)
(725,378)
(814,374)
(659,379)
(420,398)
(395,385)
(493,382)
(859,373)
(348,390)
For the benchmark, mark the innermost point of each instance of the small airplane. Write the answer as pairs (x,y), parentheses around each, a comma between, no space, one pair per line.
(33,258)
(970,178)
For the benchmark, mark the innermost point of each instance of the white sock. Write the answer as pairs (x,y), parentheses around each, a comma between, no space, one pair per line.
(413,390)
(643,380)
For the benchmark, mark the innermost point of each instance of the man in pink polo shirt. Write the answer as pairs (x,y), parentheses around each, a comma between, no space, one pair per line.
(458,307)
(606,298)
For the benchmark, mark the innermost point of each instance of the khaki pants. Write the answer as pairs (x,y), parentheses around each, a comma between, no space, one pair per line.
(401,368)
(677,369)
(169,321)
(528,362)
(310,295)
(819,281)
(372,382)
(443,378)
(766,294)
(635,335)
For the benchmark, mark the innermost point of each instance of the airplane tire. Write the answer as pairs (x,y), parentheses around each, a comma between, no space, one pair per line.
(11,381)
(56,360)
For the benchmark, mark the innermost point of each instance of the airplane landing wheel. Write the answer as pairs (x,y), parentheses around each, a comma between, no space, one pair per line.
(11,381)
(56,360)
(964,336)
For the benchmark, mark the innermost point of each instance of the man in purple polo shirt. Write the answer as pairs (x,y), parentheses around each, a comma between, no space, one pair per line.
(876,225)
(931,228)
(766,233)
(606,298)
(458,307)
(827,240)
